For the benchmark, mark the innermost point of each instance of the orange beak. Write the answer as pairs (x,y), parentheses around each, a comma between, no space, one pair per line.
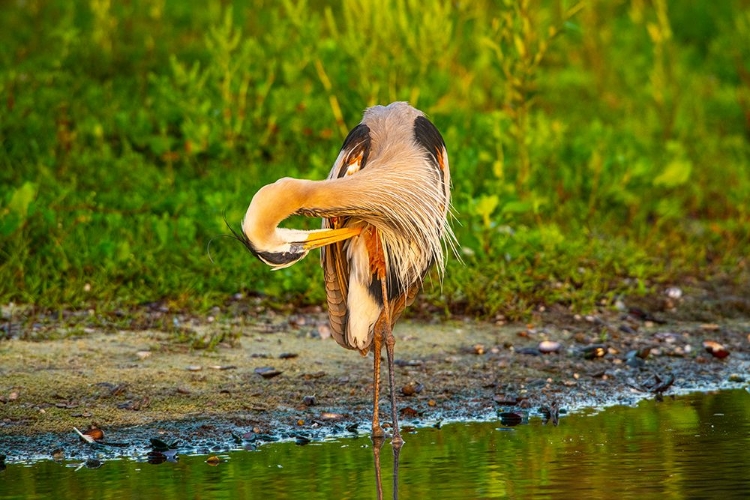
(324,237)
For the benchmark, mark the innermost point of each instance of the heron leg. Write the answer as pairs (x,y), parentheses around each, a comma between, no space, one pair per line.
(390,342)
(377,431)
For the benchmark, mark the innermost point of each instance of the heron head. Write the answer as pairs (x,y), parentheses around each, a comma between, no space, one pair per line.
(278,256)
(282,247)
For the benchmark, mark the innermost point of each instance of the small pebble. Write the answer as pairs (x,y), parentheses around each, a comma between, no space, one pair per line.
(412,388)
(408,362)
(308,400)
(633,359)
(510,419)
(674,292)
(409,412)
(324,331)
(715,349)
(627,329)
(506,399)
(268,372)
(549,346)
(531,351)
(594,351)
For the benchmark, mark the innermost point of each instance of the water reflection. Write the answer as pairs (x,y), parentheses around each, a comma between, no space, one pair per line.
(695,446)
(377,445)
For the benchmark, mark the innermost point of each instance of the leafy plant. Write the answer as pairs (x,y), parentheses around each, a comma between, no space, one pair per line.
(597,148)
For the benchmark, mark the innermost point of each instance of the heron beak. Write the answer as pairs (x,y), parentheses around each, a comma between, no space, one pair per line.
(325,237)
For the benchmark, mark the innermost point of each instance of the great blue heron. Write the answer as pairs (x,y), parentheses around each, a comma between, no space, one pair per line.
(385,210)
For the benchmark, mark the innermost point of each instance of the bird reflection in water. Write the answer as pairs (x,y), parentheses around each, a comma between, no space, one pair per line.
(377,444)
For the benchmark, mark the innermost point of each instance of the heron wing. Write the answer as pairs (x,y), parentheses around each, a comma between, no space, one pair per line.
(352,157)
(336,272)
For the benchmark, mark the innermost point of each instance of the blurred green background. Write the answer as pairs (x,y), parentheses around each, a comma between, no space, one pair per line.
(597,147)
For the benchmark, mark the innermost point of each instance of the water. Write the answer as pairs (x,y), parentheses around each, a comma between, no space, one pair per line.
(694,446)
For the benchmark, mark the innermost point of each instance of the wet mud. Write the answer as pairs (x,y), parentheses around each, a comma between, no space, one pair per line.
(280,376)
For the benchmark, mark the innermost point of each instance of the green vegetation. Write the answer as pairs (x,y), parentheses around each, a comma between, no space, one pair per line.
(597,148)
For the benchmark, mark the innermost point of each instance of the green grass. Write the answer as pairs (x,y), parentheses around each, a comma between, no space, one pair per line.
(597,148)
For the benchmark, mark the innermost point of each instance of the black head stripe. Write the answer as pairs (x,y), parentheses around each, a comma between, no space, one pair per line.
(278,258)
(357,143)
(428,136)
(271,258)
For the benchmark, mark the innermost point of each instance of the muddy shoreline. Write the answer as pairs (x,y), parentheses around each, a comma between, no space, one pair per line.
(283,379)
